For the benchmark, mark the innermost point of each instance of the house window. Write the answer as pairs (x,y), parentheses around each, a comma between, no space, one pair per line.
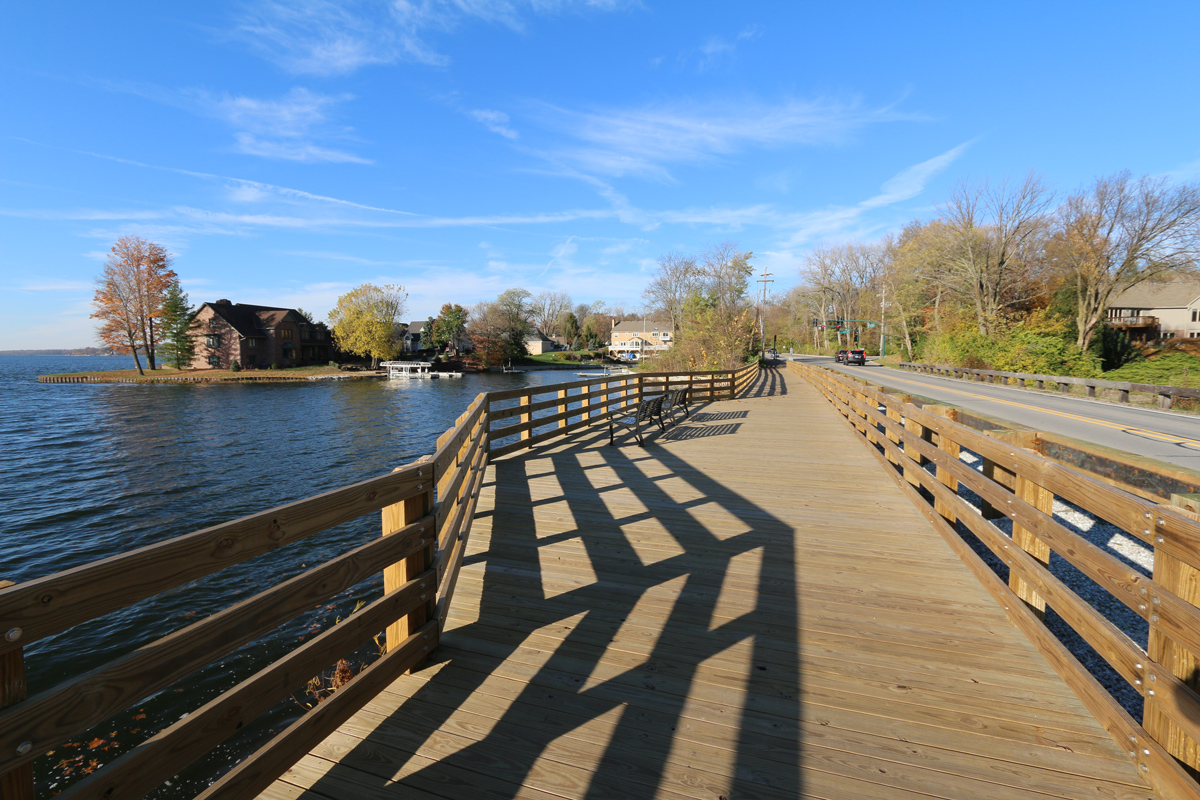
(252,343)
(214,361)
(1195,312)
(286,333)
(212,340)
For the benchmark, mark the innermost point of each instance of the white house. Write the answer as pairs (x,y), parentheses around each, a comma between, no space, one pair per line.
(639,338)
(1158,310)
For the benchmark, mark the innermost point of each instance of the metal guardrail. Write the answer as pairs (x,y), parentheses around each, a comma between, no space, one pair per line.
(1166,394)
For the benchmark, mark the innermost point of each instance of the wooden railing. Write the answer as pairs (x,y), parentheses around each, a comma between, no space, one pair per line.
(1166,394)
(1022,485)
(427,509)
(522,418)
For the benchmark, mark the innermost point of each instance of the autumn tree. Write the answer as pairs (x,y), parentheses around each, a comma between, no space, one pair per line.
(498,328)
(129,296)
(178,347)
(366,321)
(1118,233)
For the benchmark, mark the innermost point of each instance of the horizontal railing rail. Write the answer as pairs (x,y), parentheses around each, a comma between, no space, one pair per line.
(521,418)
(1166,394)
(1022,486)
(426,507)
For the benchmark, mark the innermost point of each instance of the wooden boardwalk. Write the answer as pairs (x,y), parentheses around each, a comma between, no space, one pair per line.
(746,608)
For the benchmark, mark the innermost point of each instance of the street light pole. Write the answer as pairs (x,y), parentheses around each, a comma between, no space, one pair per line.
(764,279)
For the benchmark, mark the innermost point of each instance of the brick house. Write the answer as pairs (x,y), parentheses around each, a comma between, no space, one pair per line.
(257,336)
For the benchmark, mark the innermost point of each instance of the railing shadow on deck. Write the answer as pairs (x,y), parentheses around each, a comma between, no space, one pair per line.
(633,763)
(769,382)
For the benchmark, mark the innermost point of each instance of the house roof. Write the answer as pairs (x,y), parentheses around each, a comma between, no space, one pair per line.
(416,327)
(640,326)
(538,336)
(1176,294)
(251,320)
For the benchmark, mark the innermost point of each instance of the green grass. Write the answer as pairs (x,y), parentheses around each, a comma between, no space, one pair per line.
(559,357)
(1175,369)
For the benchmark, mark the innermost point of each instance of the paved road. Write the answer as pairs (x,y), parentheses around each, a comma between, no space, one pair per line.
(1163,435)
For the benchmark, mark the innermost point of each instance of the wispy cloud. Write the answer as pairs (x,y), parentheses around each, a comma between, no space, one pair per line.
(494,121)
(718,50)
(324,37)
(295,126)
(645,141)
(286,127)
(905,185)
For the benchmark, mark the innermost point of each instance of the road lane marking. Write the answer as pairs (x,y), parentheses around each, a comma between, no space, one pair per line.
(1166,437)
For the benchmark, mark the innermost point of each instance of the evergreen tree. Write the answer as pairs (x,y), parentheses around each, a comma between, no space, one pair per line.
(178,347)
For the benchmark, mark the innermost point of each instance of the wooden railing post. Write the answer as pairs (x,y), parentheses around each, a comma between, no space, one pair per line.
(1183,580)
(562,407)
(910,450)
(526,416)
(16,784)
(584,412)
(641,388)
(894,415)
(1043,500)
(395,518)
(950,448)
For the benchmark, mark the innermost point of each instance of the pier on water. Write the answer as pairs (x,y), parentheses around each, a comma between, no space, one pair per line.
(768,600)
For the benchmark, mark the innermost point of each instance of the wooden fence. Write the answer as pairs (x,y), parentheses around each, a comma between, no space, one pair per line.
(427,508)
(1022,485)
(1166,394)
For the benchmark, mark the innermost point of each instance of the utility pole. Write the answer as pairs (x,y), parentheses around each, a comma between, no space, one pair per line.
(882,319)
(764,279)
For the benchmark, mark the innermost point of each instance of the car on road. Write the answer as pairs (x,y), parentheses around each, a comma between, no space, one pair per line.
(841,356)
(856,357)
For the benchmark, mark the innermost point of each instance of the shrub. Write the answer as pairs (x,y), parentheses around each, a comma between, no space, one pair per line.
(333,364)
(274,365)
(236,366)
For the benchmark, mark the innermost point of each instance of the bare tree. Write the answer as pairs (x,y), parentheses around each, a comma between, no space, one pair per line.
(545,309)
(994,241)
(671,286)
(842,276)
(724,273)
(1118,233)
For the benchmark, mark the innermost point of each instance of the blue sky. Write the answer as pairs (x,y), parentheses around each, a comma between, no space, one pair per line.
(286,152)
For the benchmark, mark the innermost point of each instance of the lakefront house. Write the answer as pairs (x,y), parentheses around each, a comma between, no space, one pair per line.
(257,337)
(639,339)
(1158,310)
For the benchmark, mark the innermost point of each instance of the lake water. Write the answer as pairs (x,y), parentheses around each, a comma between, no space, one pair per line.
(91,470)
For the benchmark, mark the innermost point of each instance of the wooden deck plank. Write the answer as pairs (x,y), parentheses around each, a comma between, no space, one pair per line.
(745,608)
